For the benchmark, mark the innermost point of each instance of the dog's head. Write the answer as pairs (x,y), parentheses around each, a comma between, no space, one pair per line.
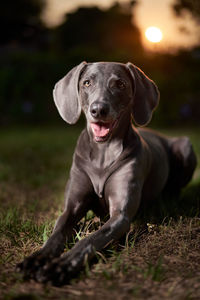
(105,92)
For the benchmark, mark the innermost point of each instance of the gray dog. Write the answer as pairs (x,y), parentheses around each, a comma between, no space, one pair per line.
(115,167)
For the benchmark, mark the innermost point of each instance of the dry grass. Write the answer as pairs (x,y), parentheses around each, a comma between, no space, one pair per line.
(159,258)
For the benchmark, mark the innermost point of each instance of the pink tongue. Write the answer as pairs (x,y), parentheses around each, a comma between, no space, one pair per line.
(100,129)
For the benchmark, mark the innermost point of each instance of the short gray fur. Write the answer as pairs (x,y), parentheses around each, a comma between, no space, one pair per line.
(112,177)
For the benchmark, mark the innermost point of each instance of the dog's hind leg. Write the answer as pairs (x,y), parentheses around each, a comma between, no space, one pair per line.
(182,162)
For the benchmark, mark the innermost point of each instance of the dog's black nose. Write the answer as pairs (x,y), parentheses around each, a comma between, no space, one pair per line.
(99,109)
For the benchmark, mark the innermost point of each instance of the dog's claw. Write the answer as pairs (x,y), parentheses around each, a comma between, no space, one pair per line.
(19,267)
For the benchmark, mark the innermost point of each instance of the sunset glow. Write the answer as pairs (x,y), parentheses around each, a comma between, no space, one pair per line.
(153,34)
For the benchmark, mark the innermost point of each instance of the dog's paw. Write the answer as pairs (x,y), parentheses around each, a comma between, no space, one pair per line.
(30,265)
(58,272)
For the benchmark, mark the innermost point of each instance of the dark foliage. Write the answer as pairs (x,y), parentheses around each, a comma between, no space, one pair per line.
(93,30)
(20,23)
(192,6)
(33,58)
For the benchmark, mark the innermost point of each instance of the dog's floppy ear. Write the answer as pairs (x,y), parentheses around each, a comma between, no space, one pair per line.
(146,96)
(66,95)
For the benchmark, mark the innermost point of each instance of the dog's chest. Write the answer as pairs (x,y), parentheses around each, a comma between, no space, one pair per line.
(97,174)
(98,177)
(100,162)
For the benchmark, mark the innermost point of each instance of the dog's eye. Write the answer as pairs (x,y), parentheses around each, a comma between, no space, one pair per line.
(121,84)
(87,83)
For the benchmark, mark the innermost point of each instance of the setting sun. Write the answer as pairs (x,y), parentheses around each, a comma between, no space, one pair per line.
(153,34)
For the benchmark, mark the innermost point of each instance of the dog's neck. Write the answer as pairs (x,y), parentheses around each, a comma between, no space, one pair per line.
(100,160)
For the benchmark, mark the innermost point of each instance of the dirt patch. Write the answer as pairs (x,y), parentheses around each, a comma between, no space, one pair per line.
(164,262)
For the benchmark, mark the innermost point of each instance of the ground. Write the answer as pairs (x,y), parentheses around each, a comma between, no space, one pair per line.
(158,258)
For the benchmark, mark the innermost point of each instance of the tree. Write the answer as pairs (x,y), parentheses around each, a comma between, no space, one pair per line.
(192,6)
(107,31)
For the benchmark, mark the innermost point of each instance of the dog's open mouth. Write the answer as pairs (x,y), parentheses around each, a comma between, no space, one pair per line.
(102,130)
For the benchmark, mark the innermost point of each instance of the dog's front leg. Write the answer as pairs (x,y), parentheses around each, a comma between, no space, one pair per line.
(123,204)
(78,195)
(64,268)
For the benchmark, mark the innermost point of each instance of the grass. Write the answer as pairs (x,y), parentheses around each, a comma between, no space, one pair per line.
(158,258)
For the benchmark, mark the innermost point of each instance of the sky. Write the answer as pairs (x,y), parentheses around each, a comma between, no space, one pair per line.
(147,13)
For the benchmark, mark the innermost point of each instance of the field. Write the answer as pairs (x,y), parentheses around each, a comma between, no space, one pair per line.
(158,258)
